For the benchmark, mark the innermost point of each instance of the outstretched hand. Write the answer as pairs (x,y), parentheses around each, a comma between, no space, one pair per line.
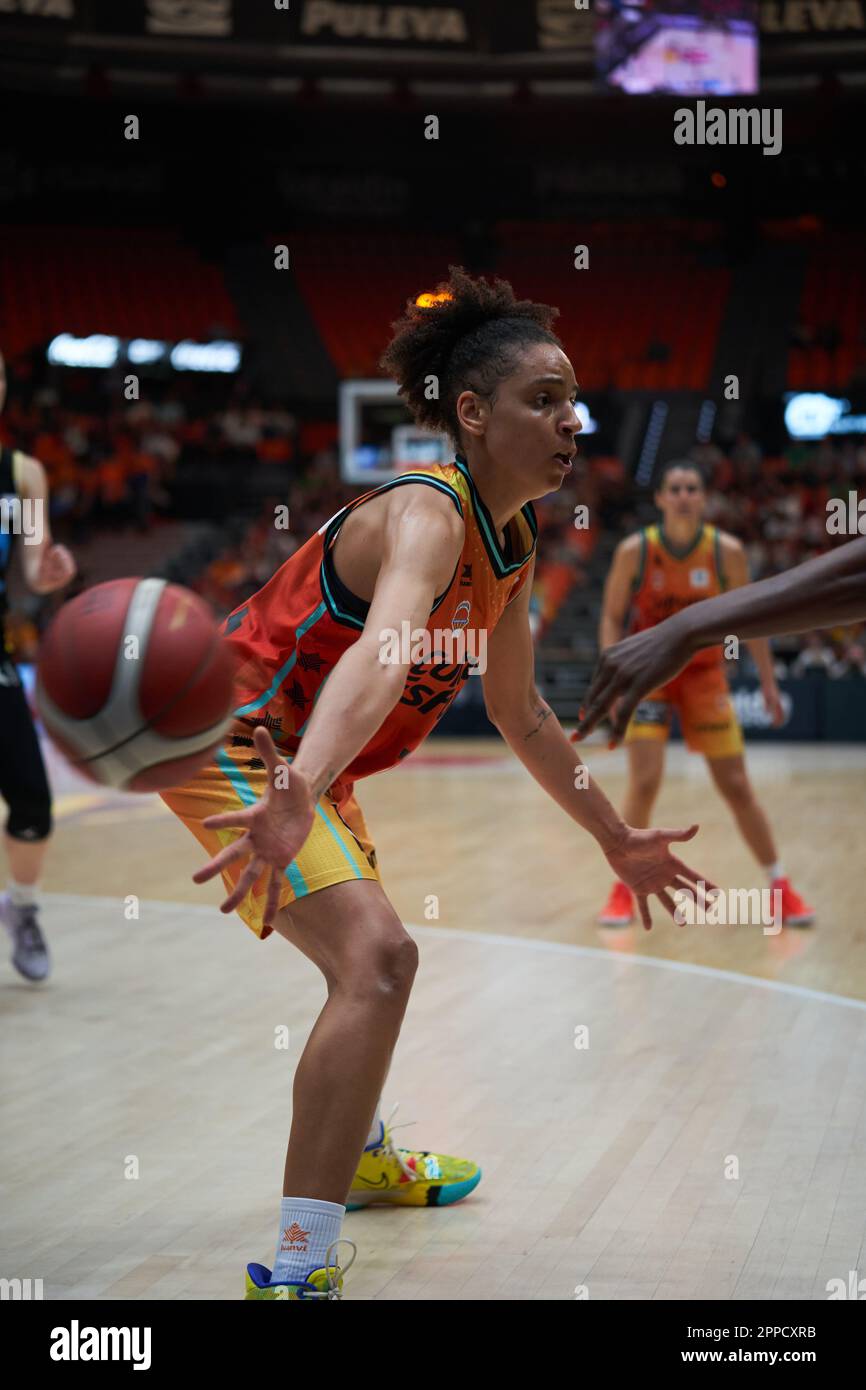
(276,827)
(643,860)
(629,670)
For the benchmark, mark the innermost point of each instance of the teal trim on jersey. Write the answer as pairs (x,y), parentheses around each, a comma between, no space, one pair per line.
(236,777)
(487,531)
(425,478)
(284,670)
(674,551)
(297,880)
(234,620)
(322,685)
(341,842)
(717,552)
(339,614)
(248,796)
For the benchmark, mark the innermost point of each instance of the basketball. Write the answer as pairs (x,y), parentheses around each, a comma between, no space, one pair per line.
(134,684)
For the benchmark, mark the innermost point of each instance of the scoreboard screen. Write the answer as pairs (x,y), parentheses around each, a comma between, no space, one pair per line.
(684,47)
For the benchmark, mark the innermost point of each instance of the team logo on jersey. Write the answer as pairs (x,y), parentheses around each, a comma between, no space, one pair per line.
(461,615)
(699,579)
(466,576)
(658,579)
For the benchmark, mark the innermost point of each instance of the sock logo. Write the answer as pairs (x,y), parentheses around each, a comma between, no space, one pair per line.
(295,1238)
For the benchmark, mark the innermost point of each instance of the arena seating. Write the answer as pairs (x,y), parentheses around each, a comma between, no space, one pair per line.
(131,281)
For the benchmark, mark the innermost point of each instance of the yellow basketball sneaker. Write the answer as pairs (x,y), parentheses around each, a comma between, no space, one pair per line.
(409,1177)
(319,1283)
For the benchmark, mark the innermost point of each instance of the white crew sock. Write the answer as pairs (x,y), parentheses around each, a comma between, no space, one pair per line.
(22,894)
(774,871)
(377,1132)
(307,1228)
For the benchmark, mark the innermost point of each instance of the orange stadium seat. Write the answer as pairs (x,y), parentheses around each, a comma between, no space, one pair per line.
(129,281)
(834,292)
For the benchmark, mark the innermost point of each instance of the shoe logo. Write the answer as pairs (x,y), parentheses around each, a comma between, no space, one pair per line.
(383,1181)
(295,1238)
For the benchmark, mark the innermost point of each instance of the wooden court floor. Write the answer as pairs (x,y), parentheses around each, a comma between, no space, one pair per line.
(707,1139)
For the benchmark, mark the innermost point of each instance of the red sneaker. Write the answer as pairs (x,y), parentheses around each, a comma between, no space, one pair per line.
(618,911)
(795,912)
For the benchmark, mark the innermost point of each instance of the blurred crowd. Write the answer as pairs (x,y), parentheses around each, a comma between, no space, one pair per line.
(188,445)
(778,506)
(112,465)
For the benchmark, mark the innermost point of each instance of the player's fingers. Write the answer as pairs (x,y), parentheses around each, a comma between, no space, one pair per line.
(595,704)
(272,904)
(620,722)
(668,902)
(229,820)
(705,886)
(225,857)
(643,908)
(266,748)
(680,834)
(243,885)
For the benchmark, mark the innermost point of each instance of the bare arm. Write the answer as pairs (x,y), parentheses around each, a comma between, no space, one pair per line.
(819,593)
(618,590)
(422,543)
(532,730)
(737,574)
(422,539)
(46,566)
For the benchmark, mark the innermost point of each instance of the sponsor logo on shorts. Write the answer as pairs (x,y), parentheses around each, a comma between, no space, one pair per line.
(652,712)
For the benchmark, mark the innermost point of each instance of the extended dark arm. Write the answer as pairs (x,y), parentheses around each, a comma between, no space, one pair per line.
(818,593)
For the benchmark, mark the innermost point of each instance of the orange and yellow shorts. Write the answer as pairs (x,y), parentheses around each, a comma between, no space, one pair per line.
(706,713)
(337,849)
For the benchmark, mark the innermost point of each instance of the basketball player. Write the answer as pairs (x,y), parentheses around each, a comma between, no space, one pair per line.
(819,593)
(431,551)
(23,783)
(655,572)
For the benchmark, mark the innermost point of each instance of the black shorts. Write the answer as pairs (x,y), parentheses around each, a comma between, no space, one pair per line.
(23,780)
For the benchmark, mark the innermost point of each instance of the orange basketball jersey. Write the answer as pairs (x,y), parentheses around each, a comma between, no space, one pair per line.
(669,579)
(290,635)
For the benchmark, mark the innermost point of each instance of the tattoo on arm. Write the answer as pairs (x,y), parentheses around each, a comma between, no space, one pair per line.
(542,712)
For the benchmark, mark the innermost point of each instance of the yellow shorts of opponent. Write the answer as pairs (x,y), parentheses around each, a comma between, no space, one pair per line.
(337,849)
(706,713)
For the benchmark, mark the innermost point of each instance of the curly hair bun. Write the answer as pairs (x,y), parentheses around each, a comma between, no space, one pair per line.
(466,335)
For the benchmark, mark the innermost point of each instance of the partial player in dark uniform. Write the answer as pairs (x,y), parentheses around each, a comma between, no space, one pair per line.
(23,783)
